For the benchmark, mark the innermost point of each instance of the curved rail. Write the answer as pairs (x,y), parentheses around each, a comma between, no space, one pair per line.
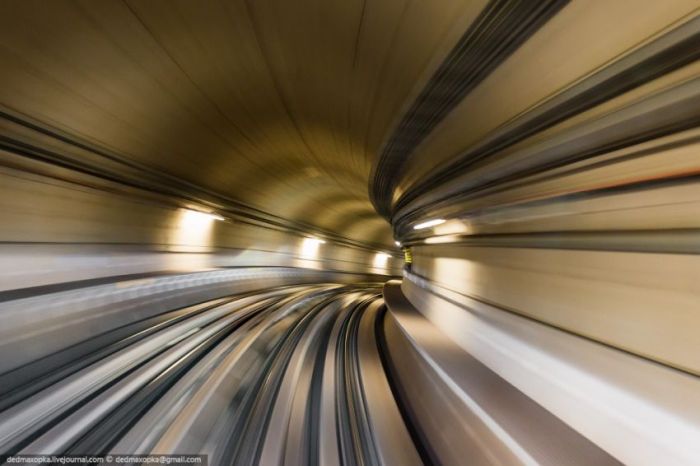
(290,375)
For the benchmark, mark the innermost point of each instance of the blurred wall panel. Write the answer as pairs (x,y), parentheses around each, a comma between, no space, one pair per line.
(55,231)
(553,219)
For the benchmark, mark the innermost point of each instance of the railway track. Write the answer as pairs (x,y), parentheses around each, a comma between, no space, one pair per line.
(289,375)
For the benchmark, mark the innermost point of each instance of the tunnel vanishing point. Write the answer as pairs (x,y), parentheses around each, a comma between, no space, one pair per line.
(350,232)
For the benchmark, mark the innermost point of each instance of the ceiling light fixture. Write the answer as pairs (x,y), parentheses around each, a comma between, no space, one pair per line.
(203,215)
(380,260)
(309,247)
(429,223)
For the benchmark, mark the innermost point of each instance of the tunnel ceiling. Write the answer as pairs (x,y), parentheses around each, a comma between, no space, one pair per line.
(316,115)
(280,106)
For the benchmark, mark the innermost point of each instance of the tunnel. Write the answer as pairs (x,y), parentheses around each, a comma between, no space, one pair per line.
(350,232)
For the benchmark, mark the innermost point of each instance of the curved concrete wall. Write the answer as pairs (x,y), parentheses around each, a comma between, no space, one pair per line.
(567,257)
(55,231)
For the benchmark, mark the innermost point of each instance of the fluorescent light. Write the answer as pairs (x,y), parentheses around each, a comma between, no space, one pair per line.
(380,260)
(196,215)
(309,247)
(429,223)
(192,230)
(397,243)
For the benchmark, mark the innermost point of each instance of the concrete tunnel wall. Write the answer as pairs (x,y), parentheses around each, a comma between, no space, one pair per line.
(554,144)
(54,231)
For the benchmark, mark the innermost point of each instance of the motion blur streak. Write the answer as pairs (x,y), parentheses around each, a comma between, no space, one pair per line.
(349,232)
(235,369)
